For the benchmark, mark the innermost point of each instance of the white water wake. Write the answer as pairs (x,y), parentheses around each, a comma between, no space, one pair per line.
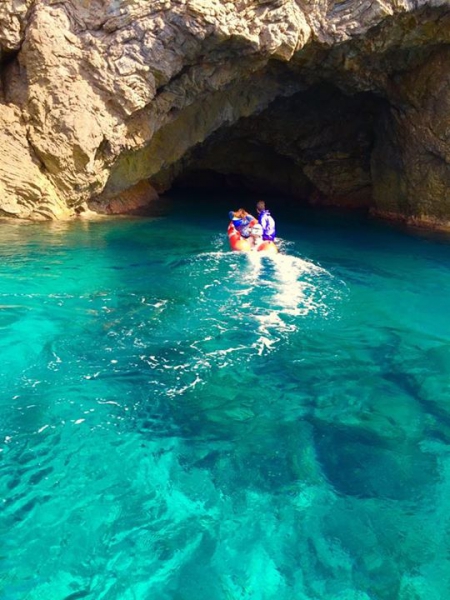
(240,305)
(281,291)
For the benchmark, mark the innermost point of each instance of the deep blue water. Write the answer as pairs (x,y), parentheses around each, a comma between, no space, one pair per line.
(180,422)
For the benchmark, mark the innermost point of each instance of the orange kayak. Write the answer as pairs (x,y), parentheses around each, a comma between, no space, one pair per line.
(237,242)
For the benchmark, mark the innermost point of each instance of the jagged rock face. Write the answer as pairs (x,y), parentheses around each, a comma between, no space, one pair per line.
(12,17)
(339,102)
(412,156)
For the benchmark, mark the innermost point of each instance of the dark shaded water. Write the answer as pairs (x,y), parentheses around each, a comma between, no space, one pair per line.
(183,422)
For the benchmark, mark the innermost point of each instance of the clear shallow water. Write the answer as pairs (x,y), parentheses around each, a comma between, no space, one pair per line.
(182,422)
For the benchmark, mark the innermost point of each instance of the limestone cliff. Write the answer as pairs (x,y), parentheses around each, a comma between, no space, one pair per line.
(105,103)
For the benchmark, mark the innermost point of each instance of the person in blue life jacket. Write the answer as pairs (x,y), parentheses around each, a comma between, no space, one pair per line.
(266,221)
(241,219)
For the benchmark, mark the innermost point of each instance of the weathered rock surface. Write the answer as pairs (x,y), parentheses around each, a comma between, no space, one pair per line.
(104,102)
(24,190)
(12,20)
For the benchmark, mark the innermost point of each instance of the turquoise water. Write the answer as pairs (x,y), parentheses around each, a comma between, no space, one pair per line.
(179,422)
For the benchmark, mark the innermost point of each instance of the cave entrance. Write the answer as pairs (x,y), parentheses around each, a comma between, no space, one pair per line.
(313,147)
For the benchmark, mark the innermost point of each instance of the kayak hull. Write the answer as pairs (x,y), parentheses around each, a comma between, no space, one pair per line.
(240,244)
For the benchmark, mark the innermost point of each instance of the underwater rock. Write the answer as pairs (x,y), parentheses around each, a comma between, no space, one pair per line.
(356,466)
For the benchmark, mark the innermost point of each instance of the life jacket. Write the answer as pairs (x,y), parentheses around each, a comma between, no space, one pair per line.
(267,223)
(244,225)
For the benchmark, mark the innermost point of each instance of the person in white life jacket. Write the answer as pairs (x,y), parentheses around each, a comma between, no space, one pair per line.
(266,221)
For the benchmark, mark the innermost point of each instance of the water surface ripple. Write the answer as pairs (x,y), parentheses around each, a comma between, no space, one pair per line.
(183,422)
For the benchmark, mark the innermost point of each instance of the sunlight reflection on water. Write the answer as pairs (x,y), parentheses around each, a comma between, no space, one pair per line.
(178,420)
